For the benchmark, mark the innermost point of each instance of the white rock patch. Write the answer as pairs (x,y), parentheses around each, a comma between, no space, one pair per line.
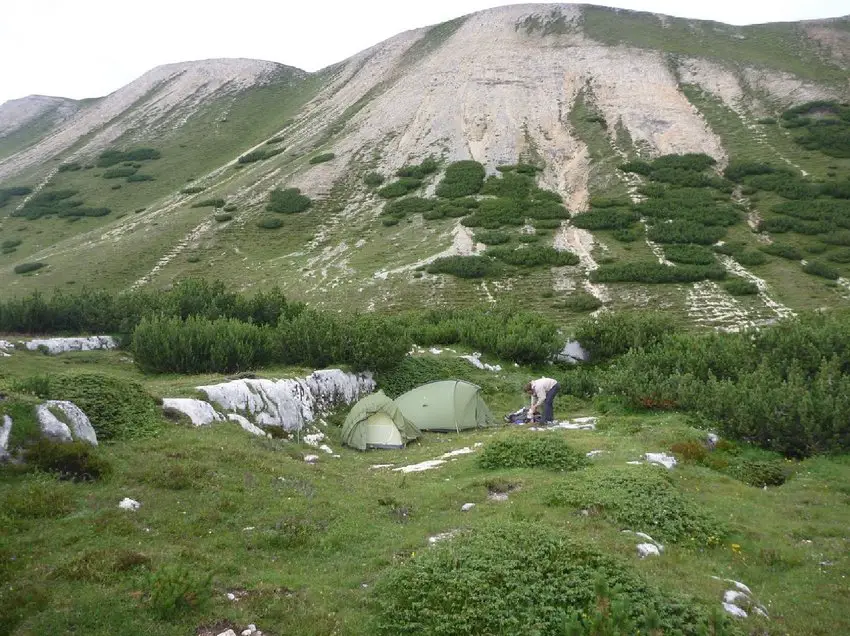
(56,346)
(5,348)
(247,425)
(475,360)
(668,461)
(78,426)
(201,413)
(5,431)
(577,424)
(129,504)
(289,403)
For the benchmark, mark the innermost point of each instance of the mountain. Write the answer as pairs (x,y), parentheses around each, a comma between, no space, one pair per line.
(574,90)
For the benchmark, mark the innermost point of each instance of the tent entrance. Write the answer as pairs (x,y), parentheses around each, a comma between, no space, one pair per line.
(381,432)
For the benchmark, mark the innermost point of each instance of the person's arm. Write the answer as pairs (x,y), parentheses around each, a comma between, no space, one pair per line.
(535,400)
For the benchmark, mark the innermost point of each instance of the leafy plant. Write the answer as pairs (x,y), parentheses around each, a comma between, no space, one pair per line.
(738,286)
(209,203)
(373,179)
(466,266)
(288,201)
(817,268)
(526,451)
(177,589)
(462,178)
(25,268)
(322,158)
(269,223)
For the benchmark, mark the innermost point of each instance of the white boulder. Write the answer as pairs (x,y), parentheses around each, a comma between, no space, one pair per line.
(6,348)
(668,461)
(475,360)
(467,507)
(201,413)
(289,403)
(129,504)
(647,549)
(5,431)
(311,459)
(73,425)
(56,346)
(247,425)
(734,610)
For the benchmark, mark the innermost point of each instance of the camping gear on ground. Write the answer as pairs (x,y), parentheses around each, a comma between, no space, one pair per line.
(522,417)
(376,422)
(446,406)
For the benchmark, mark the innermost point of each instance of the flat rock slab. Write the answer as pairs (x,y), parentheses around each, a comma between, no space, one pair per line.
(56,346)
(201,413)
(71,425)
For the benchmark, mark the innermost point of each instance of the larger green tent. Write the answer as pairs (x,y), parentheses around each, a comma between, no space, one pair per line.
(376,422)
(446,405)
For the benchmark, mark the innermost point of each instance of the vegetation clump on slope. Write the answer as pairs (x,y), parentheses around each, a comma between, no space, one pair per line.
(288,201)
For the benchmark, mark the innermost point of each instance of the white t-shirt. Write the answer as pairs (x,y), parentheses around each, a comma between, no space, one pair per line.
(539,389)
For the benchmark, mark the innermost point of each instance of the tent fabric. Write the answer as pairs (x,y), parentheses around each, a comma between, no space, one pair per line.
(376,422)
(446,406)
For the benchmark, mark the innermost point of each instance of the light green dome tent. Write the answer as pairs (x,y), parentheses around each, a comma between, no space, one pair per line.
(376,422)
(447,405)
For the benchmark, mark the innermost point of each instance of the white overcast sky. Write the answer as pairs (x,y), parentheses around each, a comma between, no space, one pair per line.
(89,48)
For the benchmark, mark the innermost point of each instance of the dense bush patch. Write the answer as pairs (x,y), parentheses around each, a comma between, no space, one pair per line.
(679,231)
(373,179)
(738,286)
(526,451)
(492,237)
(57,202)
(521,575)
(322,158)
(25,268)
(613,334)
(399,188)
(288,201)
(112,157)
(420,171)
(784,388)
(782,250)
(606,218)
(192,190)
(116,173)
(209,203)
(689,254)
(652,272)
(466,266)
(269,223)
(76,461)
(462,178)
(400,208)
(817,268)
(639,497)
(533,256)
(137,178)
(6,194)
(823,126)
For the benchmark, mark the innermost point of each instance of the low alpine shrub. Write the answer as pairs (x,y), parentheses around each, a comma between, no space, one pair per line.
(531,451)
(74,461)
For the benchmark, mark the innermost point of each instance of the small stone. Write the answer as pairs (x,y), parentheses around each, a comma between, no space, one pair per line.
(129,504)
(252,627)
(647,549)
(229,632)
(231,596)
(467,506)
(734,610)
(311,459)
(711,440)
(247,632)
(668,461)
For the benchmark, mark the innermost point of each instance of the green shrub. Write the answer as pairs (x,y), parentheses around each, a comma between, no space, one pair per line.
(6,194)
(373,179)
(193,258)
(389,221)
(399,188)
(209,203)
(626,235)
(783,251)
(136,178)
(641,498)
(322,158)
(462,178)
(525,578)
(839,256)
(655,273)
(76,461)
(251,157)
(38,496)
(533,256)
(466,266)
(492,237)
(117,409)
(192,190)
(8,250)
(115,173)
(400,208)
(221,218)
(113,157)
(414,371)
(178,589)
(678,231)
(10,243)
(580,301)
(607,218)
(101,566)
(689,254)
(288,201)
(230,207)
(740,287)
(546,224)
(199,345)
(613,334)
(528,238)
(526,451)
(269,223)
(116,186)
(69,167)
(24,268)
(817,268)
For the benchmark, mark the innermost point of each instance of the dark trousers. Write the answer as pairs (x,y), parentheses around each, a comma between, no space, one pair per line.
(547,403)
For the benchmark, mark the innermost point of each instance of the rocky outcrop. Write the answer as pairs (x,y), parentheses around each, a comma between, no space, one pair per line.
(289,403)
(201,413)
(64,421)
(5,431)
(56,346)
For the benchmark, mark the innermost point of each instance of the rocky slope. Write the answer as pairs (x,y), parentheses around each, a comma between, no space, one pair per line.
(513,83)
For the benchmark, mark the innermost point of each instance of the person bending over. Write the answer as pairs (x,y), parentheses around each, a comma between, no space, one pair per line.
(542,390)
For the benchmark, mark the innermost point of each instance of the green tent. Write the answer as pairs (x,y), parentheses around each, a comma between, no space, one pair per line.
(376,422)
(447,405)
